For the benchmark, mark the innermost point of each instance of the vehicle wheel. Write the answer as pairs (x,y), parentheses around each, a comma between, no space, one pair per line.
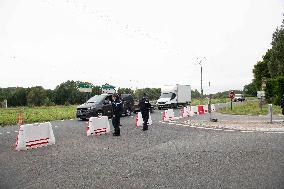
(84,119)
(159,108)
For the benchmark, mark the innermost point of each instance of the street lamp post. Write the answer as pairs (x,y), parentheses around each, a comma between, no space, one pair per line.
(199,61)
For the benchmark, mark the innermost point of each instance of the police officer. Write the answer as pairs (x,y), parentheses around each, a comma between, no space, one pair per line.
(117,110)
(282,104)
(145,106)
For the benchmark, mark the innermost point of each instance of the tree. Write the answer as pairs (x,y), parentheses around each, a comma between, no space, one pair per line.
(195,94)
(125,91)
(250,89)
(261,72)
(36,96)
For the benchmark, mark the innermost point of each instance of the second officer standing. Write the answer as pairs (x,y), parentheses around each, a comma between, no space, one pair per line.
(117,110)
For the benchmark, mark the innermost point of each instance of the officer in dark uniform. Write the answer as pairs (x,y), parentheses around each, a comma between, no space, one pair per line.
(117,110)
(145,106)
(282,104)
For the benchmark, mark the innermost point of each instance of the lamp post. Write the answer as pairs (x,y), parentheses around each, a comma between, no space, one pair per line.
(199,61)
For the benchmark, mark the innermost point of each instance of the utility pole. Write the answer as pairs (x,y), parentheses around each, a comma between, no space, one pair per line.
(199,61)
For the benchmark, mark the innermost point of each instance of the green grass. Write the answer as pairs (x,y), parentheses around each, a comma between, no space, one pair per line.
(9,116)
(250,108)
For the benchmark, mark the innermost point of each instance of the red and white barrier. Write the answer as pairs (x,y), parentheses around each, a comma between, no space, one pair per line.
(34,135)
(98,125)
(139,119)
(213,108)
(194,110)
(168,115)
(186,111)
(200,109)
(205,107)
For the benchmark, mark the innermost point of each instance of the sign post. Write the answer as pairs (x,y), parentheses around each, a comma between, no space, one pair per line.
(270,112)
(232,96)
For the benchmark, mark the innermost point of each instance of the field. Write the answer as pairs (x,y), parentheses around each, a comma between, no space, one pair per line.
(250,108)
(9,116)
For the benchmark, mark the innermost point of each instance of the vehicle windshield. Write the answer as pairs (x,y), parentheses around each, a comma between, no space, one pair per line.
(96,99)
(166,95)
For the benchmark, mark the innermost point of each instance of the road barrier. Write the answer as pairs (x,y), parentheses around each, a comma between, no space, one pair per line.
(200,109)
(205,107)
(139,119)
(34,135)
(186,111)
(213,108)
(98,125)
(194,110)
(168,115)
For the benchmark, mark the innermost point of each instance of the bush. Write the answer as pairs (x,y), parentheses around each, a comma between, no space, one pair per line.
(274,90)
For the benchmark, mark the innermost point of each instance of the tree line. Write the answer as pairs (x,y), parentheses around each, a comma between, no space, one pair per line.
(67,93)
(269,72)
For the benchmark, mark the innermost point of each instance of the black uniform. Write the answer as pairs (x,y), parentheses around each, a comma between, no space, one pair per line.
(117,109)
(282,105)
(145,106)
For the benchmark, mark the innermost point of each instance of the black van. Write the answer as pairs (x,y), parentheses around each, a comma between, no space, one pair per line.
(101,104)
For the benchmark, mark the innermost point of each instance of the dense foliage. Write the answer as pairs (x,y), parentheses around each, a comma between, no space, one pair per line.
(269,72)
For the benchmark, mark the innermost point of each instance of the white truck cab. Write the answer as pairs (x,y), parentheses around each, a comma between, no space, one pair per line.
(174,95)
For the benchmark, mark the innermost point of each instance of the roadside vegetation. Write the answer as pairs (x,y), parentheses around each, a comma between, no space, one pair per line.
(9,116)
(250,108)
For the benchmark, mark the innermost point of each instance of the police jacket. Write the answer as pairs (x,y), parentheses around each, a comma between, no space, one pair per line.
(282,103)
(117,107)
(144,104)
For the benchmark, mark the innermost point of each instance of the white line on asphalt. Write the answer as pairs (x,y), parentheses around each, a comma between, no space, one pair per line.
(275,132)
(199,127)
(186,125)
(217,129)
(208,128)
(0,133)
(55,126)
(246,131)
(179,124)
(71,119)
(16,131)
(160,121)
(163,122)
(62,120)
(192,126)
(171,123)
(8,132)
(229,130)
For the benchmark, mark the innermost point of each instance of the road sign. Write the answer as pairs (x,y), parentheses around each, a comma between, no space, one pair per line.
(84,87)
(232,95)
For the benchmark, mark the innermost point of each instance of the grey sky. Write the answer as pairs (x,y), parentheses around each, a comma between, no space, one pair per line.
(131,43)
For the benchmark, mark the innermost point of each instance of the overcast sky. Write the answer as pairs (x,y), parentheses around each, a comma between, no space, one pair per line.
(131,43)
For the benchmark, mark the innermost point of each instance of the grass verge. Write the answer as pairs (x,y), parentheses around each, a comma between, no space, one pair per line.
(250,108)
(9,116)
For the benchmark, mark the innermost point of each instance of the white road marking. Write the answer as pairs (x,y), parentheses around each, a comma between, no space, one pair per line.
(246,131)
(16,131)
(229,130)
(208,128)
(8,132)
(160,121)
(192,126)
(218,129)
(62,120)
(199,127)
(186,125)
(171,123)
(55,126)
(163,122)
(71,119)
(0,133)
(179,124)
(275,132)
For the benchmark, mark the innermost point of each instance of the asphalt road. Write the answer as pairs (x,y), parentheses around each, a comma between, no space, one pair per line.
(166,156)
